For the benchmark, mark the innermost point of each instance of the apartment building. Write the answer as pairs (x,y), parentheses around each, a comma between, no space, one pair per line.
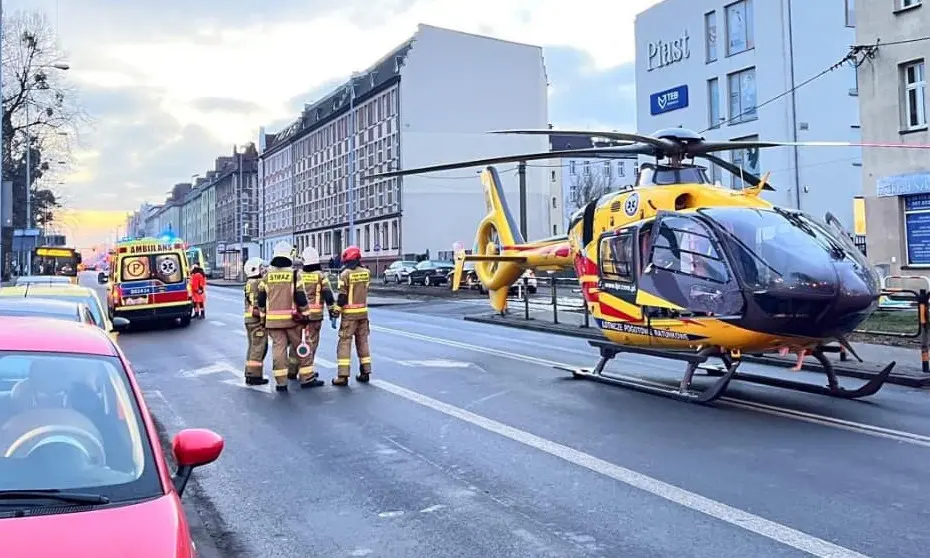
(425,102)
(893,105)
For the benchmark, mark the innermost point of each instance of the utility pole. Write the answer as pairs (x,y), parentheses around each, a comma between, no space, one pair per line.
(521,172)
(239,194)
(352,131)
(2,259)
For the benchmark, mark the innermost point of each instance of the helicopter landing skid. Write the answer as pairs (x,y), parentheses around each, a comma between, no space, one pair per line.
(725,374)
(684,392)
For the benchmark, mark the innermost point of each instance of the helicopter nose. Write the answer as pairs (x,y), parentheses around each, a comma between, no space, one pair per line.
(856,298)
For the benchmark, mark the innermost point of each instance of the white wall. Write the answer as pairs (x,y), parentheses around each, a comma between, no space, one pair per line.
(820,39)
(454,87)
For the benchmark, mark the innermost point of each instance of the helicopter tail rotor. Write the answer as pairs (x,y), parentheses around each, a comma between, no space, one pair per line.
(501,254)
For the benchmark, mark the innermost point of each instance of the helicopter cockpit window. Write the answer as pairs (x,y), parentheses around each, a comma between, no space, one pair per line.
(616,258)
(667,176)
(686,246)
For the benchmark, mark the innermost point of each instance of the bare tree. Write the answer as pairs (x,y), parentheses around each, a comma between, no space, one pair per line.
(589,186)
(40,110)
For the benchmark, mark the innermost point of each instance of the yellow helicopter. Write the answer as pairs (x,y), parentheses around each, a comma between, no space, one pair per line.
(678,267)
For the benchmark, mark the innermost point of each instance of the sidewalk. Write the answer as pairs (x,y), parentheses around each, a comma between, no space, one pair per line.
(907,370)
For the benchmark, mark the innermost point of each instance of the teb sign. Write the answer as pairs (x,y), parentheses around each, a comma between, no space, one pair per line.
(666,53)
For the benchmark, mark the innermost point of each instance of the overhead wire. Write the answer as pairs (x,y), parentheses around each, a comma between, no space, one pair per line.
(849,56)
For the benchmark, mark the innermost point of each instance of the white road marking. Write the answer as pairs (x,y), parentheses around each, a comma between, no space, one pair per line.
(216,368)
(217,323)
(812,418)
(728,514)
(159,406)
(240,383)
(434,363)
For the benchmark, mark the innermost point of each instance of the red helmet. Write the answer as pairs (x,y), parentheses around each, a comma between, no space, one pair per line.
(351,253)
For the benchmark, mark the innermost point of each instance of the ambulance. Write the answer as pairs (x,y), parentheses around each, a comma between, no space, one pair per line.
(149,281)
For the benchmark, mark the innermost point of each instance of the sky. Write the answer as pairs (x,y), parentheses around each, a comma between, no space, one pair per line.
(171,85)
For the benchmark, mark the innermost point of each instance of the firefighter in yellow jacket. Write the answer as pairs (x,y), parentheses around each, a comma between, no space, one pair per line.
(316,285)
(283,302)
(352,304)
(254,329)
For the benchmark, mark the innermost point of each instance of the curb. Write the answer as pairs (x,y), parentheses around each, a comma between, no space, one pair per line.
(564,330)
(203,542)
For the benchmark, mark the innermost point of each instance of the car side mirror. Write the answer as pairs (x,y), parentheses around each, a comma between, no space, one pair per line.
(194,447)
(101,278)
(120,321)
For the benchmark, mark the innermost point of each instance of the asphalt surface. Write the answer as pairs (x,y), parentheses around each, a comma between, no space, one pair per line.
(470,444)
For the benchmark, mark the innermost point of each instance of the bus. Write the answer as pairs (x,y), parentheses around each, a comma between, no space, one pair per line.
(56,260)
(195,256)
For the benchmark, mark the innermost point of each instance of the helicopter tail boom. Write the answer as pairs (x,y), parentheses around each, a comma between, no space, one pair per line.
(501,253)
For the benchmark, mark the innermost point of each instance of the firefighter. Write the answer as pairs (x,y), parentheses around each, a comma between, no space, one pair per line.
(316,285)
(352,305)
(254,328)
(283,303)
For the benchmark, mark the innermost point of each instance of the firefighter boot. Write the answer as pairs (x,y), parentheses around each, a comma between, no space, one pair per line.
(256,381)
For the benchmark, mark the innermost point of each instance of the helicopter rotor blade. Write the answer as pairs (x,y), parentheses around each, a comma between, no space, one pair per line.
(747,177)
(595,152)
(658,143)
(713,146)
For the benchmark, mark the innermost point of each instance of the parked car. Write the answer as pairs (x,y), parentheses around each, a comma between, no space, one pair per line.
(72,293)
(81,473)
(398,271)
(430,272)
(46,279)
(470,280)
(55,309)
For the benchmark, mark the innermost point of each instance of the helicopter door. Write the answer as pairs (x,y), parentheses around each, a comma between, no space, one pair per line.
(686,271)
(617,264)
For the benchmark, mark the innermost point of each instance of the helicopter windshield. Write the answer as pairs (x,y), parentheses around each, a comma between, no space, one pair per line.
(777,249)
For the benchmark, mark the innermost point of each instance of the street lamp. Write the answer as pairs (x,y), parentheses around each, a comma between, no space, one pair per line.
(352,132)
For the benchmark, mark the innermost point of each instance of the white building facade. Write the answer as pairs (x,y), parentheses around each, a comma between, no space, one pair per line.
(709,65)
(894,108)
(575,182)
(276,188)
(429,101)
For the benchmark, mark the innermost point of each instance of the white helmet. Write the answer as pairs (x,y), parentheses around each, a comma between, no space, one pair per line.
(310,256)
(253,267)
(283,250)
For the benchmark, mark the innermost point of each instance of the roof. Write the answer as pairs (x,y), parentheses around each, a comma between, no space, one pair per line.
(40,289)
(51,335)
(367,83)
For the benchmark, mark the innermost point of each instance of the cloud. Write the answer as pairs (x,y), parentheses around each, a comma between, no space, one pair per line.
(173,84)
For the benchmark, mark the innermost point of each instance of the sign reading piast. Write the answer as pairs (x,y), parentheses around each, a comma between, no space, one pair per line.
(666,53)
(668,100)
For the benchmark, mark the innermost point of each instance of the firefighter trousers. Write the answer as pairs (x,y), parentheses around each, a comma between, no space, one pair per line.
(284,341)
(257,349)
(359,329)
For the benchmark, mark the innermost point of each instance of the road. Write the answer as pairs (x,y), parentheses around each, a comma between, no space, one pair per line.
(468,443)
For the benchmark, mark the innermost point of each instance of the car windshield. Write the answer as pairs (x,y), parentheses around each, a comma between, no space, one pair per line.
(60,313)
(70,422)
(87,299)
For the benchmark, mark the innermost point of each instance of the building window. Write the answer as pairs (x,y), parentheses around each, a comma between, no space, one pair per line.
(621,169)
(916,227)
(915,95)
(850,13)
(555,230)
(607,169)
(394,235)
(713,103)
(742,86)
(903,4)
(552,176)
(367,238)
(739,27)
(571,168)
(553,202)
(710,36)
(745,159)
(587,167)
